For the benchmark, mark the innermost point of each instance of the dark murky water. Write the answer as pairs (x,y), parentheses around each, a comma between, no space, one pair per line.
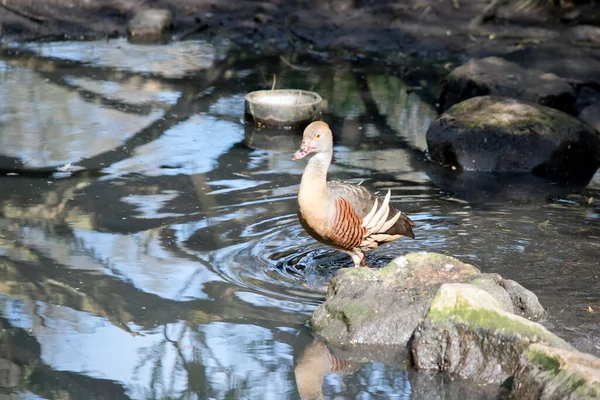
(170,264)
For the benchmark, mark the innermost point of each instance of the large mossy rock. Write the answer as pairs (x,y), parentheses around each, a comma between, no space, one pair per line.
(468,333)
(496,134)
(497,77)
(384,306)
(556,374)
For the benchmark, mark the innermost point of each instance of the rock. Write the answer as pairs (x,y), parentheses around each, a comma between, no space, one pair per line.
(261,18)
(491,283)
(525,302)
(497,77)
(384,306)
(584,33)
(572,65)
(150,25)
(425,386)
(467,333)
(555,374)
(586,96)
(10,374)
(338,6)
(496,134)
(591,115)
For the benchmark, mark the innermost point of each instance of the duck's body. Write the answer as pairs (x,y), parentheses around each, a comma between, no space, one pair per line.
(340,214)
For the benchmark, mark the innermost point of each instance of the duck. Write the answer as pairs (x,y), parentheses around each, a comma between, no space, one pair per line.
(343,215)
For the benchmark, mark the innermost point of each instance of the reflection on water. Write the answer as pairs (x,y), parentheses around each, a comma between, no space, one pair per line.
(173,266)
(46,123)
(171,61)
(190,147)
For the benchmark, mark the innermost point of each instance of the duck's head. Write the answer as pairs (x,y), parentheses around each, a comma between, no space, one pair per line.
(317,138)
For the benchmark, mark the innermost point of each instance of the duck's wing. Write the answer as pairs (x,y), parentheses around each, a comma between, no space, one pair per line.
(376,214)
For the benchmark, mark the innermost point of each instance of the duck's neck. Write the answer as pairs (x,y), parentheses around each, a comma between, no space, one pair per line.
(312,194)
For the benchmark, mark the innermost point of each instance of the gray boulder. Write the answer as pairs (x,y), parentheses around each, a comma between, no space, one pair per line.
(468,333)
(547,373)
(496,134)
(525,302)
(584,33)
(575,65)
(150,25)
(591,115)
(384,306)
(10,374)
(497,77)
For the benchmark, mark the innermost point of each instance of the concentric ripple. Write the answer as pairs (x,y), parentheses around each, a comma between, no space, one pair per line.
(264,251)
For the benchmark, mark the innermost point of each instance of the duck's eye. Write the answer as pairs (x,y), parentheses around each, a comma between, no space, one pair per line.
(318,136)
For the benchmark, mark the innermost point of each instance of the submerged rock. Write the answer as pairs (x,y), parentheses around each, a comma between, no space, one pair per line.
(555,374)
(150,25)
(498,77)
(384,306)
(496,134)
(468,333)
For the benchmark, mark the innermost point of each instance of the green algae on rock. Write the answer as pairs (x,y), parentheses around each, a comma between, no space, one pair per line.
(468,333)
(554,374)
(496,134)
(384,306)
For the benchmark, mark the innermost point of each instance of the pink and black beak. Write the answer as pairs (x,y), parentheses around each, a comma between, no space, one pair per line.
(305,149)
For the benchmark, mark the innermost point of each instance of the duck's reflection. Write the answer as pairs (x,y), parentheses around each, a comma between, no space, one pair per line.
(316,362)
(370,371)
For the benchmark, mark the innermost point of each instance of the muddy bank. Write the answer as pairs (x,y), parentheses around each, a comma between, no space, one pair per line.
(428,27)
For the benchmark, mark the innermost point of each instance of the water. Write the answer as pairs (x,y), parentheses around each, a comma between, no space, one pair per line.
(166,261)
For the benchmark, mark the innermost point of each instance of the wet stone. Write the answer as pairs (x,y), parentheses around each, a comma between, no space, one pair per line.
(496,134)
(525,302)
(467,333)
(555,374)
(384,306)
(585,33)
(591,115)
(586,96)
(10,373)
(150,25)
(572,65)
(497,77)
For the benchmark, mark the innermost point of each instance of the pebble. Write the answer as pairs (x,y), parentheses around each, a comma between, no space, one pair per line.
(150,24)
